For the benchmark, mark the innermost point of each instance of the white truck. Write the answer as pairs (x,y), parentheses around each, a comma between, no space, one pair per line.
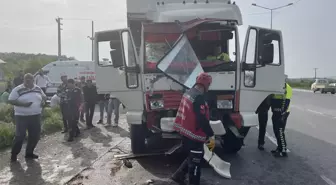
(166,46)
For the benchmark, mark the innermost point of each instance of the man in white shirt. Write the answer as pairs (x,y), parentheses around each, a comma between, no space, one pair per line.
(28,100)
(42,80)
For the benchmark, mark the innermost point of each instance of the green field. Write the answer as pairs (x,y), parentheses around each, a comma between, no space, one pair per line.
(2,86)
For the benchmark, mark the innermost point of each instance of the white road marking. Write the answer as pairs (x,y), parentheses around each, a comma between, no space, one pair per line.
(302,90)
(327,180)
(272,139)
(315,112)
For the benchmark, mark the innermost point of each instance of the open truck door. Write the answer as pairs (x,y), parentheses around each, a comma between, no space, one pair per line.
(262,70)
(117,70)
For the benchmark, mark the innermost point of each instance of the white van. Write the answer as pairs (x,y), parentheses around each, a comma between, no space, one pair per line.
(72,68)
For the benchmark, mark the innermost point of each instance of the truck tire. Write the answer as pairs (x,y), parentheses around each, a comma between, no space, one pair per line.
(138,139)
(230,143)
(333,92)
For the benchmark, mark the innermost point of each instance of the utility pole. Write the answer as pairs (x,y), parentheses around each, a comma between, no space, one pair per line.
(58,20)
(92,38)
(272,9)
(315,69)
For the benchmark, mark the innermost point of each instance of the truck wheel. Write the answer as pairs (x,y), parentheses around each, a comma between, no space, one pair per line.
(230,143)
(333,92)
(138,144)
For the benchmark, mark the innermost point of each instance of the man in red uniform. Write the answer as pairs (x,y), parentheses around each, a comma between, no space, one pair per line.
(192,122)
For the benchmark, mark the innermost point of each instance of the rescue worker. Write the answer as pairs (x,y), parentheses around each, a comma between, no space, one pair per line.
(219,55)
(192,122)
(72,102)
(280,108)
(61,92)
(262,112)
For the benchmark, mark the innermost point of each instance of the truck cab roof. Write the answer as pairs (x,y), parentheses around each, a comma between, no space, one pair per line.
(171,10)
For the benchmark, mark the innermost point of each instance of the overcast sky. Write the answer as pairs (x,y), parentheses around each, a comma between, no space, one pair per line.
(29,26)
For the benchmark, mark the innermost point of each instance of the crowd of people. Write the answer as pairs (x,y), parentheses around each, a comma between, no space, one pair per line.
(77,100)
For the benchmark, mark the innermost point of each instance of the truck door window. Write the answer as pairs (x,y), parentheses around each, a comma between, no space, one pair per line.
(132,80)
(103,54)
(249,75)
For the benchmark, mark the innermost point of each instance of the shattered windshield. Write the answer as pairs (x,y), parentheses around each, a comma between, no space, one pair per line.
(181,63)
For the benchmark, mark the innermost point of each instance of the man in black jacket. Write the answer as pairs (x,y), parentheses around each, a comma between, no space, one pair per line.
(90,97)
(72,101)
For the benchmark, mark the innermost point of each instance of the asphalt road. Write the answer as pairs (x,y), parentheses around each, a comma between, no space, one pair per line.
(311,138)
(311,141)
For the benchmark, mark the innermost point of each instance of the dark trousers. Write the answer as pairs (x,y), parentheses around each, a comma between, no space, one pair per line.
(279,125)
(64,109)
(44,89)
(263,118)
(24,123)
(72,120)
(89,112)
(191,165)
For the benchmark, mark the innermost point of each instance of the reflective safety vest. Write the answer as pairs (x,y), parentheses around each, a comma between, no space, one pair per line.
(289,94)
(223,56)
(281,100)
(185,122)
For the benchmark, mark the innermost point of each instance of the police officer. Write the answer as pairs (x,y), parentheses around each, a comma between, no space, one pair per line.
(73,102)
(262,112)
(280,108)
(61,92)
(192,122)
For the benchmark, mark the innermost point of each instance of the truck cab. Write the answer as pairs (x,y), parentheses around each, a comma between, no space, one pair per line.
(154,61)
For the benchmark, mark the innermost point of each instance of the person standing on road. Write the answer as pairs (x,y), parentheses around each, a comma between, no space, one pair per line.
(280,108)
(73,101)
(19,79)
(28,100)
(90,97)
(80,85)
(113,106)
(103,105)
(61,92)
(262,112)
(42,81)
(192,122)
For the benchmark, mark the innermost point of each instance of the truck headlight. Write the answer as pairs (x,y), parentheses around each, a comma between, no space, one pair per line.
(156,104)
(224,104)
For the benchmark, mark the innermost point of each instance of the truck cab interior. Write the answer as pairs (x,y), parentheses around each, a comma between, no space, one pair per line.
(208,40)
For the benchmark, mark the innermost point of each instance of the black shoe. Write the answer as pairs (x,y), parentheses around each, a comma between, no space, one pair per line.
(13,158)
(100,122)
(280,154)
(261,147)
(70,139)
(31,156)
(275,151)
(89,127)
(82,120)
(179,179)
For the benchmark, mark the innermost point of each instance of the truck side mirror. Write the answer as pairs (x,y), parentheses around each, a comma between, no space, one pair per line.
(266,54)
(116,54)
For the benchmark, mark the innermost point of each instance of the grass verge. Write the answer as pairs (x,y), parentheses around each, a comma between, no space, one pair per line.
(51,123)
